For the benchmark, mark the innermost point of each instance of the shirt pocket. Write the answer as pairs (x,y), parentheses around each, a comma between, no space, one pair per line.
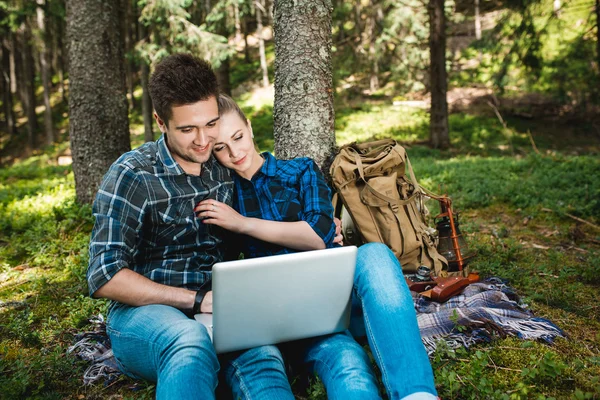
(178,223)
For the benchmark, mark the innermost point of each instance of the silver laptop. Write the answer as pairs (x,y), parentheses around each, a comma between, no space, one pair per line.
(276,299)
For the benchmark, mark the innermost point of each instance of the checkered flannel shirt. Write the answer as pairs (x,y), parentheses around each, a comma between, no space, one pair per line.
(145,219)
(284,190)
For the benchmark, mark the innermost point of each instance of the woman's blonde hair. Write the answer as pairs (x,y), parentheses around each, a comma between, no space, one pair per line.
(227,105)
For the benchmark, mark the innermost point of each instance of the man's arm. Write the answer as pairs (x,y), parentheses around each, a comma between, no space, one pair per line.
(129,287)
(120,211)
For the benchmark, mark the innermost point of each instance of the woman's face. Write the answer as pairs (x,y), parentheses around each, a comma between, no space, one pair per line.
(234,147)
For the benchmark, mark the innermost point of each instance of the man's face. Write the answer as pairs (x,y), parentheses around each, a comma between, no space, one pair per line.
(193,129)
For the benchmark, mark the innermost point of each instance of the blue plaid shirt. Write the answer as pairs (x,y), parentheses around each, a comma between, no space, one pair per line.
(145,219)
(284,190)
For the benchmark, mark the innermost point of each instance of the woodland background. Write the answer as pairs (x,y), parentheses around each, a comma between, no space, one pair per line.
(497,102)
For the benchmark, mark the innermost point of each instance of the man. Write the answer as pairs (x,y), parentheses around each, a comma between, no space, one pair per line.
(152,257)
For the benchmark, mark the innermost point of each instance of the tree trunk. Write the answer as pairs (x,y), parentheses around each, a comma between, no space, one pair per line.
(43,45)
(303,112)
(223,77)
(60,44)
(269,6)
(372,25)
(246,48)
(358,30)
(438,118)
(129,64)
(7,99)
(13,62)
(598,33)
(222,72)
(28,98)
(98,123)
(236,20)
(261,43)
(477,21)
(146,100)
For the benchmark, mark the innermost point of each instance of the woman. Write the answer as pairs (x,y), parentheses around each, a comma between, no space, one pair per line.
(284,206)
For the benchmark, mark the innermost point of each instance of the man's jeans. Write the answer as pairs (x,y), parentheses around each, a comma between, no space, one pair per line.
(383,307)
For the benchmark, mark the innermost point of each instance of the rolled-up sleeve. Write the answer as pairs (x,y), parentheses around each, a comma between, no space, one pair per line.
(119,212)
(317,209)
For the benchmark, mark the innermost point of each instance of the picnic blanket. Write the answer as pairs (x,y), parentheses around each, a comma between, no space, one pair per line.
(484,310)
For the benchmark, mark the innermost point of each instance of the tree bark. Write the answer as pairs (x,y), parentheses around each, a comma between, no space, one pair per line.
(303,111)
(13,62)
(245,32)
(28,98)
(598,33)
(146,100)
(372,26)
(98,123)
(236,20)
(43,45)
(129,64)
(261,43)
(7,99)
(61,56)
(438,118)
(477,21)
(223,77)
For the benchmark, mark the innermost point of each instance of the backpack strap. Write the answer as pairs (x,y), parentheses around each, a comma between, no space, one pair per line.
(336,200)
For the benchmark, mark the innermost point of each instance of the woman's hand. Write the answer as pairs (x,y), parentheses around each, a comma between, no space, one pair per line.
(216,213)
(339,238)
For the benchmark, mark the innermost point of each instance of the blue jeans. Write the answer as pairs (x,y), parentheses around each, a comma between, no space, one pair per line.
(161,344)
(382,307)
(340,362)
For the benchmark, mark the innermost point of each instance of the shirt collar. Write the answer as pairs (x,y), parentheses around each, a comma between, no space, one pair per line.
(269,167)
(165,156)
(172,166)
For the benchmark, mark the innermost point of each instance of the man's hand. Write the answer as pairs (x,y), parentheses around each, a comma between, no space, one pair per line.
(207,303)
(339,238)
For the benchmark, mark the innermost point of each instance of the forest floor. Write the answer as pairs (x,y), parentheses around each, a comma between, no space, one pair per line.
(529,195)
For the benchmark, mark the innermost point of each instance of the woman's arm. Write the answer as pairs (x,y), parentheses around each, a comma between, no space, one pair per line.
(296,235)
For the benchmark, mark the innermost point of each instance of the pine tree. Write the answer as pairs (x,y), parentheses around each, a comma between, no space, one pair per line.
(98,121)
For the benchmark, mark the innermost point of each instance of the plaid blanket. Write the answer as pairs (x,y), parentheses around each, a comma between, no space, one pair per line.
(94,346)
(483,310)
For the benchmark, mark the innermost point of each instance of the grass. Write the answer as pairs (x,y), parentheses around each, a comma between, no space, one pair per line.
(517,208)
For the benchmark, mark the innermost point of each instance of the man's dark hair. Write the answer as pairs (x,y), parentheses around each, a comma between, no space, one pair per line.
(181,79)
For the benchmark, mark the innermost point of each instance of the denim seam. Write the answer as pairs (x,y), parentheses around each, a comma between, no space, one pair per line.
(328,367)
(130,336)
(375,348)
(239,375)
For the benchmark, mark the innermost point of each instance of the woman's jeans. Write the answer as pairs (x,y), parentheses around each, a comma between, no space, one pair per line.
(161,344)
(382,307)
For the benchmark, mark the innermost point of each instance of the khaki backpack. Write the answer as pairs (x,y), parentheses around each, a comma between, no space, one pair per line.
(384,204)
